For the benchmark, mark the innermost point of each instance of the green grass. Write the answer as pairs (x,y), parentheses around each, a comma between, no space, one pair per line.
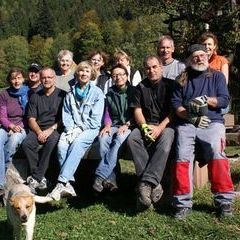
(114,217)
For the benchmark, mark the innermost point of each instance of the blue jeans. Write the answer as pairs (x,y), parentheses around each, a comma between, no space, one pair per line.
(9,143)
(70,155)
(109,146)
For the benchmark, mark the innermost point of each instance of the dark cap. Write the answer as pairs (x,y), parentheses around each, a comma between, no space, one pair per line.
(35,66)
(196,47)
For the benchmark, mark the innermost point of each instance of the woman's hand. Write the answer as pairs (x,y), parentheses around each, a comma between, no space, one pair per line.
(105,130)
(122,129)
(15,128)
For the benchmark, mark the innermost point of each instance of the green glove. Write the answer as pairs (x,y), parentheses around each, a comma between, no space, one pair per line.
(146,131)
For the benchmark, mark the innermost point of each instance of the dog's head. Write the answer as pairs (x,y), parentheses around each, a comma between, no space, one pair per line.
(22,206)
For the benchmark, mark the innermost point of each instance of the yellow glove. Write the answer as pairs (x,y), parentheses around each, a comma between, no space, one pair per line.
(146,131)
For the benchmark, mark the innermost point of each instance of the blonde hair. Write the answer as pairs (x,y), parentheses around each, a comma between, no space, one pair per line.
(120,53)
(86,64)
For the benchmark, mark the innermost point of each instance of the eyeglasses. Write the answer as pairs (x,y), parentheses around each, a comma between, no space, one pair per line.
(118,75)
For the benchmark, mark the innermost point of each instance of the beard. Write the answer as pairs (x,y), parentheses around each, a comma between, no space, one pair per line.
(200,67)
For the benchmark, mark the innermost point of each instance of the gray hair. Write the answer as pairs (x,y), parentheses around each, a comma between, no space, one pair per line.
(64,52)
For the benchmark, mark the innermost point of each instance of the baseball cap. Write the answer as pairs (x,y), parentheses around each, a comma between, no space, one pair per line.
(35,66)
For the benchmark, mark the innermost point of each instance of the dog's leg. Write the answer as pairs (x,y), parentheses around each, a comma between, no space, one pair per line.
(29,227)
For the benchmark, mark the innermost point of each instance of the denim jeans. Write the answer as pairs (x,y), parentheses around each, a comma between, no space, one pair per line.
(9,143)
(150,160)
(70,155)
(109,146)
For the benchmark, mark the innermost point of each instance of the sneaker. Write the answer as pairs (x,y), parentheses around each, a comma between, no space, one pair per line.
(110,184)
(144,194)
(33,184)
(182,212)
(42,184)
(98,184)
(157,193)
(62,190)
(225,210)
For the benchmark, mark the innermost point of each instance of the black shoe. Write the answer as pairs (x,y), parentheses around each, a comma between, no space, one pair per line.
(98,184)
(110,184)
(182,212)
(225,210)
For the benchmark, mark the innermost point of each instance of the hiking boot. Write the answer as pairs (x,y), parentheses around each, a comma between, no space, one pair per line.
(110,184)
(62,190)
(157,193)
(225,210)
(144,194)
(182,212)
(98,184)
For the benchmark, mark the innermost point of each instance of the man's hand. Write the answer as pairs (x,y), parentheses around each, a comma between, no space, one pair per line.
(201,122)
(198,106)
(146,129)
(43,135)
(155,131)
(122,129)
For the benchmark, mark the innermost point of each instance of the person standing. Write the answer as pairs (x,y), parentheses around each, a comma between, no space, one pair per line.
(65,75)
(82,114)
(44,119)
(150,143)
(134,76)
(197,100)
(34,82)
(13,101)
(165,49)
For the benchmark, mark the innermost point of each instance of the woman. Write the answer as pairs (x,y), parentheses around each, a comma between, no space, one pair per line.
(13,101)
(99,61)
(82,114)
(117,121)
(65,77)
(134,76)
(216,61)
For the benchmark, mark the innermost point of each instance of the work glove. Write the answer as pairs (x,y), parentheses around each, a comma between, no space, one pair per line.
(198,106)
(200,122)
(146,131)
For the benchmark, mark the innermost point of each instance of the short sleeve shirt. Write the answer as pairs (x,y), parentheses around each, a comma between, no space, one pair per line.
(47,110)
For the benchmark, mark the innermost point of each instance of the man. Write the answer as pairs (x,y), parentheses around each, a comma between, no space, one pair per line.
(44,119)
(197,100)
(151,142)
(34,82)
(171,67)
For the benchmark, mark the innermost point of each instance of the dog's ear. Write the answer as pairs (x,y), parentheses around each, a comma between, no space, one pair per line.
(12,200)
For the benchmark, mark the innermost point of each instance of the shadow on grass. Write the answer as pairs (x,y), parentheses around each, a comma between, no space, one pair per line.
(5,231)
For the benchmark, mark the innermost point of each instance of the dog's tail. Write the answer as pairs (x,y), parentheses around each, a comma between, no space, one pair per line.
(42,199)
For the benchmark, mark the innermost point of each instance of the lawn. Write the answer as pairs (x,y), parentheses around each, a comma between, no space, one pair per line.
(114,216)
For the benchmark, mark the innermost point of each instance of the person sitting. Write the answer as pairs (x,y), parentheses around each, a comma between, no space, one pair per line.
(117,121)
(65,75)
(44,119)
(197,100)
(134,76)
(13,101)
(150,143)
(82,114)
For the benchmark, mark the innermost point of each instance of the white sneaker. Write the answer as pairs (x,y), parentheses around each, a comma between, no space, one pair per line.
(62,190)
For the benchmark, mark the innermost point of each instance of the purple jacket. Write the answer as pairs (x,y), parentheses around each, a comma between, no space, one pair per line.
(10,111)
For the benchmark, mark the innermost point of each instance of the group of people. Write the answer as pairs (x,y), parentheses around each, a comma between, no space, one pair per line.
(175,106)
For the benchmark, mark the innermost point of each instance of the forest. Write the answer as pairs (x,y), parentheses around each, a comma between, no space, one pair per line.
(36,30)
